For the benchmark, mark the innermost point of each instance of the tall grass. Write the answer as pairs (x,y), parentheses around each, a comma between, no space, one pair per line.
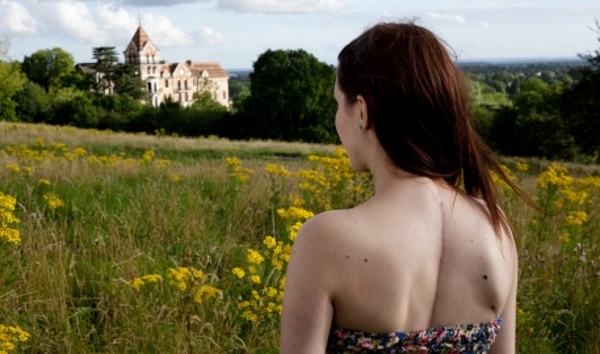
(137,205)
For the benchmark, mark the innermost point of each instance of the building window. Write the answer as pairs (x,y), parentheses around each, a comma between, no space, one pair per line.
(149,87)
(186,87)
(148,70)
(178,85)
(167,83)
(224,95)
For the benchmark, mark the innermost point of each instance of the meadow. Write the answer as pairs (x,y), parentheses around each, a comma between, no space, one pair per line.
(122,243)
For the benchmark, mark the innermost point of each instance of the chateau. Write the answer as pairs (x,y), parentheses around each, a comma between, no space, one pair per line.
(177,81)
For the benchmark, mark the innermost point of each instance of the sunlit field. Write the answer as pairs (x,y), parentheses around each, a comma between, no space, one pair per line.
(121,243)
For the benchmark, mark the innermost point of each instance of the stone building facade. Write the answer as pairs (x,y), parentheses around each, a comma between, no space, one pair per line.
(178,81)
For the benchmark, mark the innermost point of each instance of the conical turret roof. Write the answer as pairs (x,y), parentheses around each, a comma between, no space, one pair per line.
(140,38)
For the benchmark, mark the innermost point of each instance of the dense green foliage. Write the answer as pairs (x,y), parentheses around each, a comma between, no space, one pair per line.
(290,98)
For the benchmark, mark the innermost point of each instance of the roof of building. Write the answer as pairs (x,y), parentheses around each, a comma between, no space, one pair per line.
(214,69)
(140,38)
(86,68)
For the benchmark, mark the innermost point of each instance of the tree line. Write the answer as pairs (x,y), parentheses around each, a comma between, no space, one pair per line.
(545,110)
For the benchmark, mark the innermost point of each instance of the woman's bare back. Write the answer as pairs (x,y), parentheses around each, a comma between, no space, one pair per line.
(420,255)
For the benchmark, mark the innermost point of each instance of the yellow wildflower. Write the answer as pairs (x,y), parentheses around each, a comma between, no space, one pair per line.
(79,152)
(295,213)
(255,278)
(148,156)
(576,218)
(136,283)
(13,167)
(44,181)
(521,166)
(152,278)
(10,336)
(53,201)
(270,241)
(564,237)
(254,256)
(250,316)
(239,272)
(205,293)
(293,230)
(276,170)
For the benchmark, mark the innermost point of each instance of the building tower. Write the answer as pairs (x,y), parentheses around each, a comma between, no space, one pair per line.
(143,54)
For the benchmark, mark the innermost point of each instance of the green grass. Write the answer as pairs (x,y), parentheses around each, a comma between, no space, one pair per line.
(66,282)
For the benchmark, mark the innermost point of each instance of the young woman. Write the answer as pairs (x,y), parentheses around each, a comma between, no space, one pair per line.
(428,264)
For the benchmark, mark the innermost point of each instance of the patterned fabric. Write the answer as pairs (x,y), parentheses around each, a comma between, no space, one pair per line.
(464,339)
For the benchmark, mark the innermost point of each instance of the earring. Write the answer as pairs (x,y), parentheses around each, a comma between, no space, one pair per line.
(360,126)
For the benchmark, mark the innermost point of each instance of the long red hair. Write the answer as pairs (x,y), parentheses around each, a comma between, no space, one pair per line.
(418,105)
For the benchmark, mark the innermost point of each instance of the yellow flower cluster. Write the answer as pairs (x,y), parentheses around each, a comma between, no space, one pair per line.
(148,156)
(555,176)
(331,181)
(562,194)
(205,293)
(276,170)
(268,278)
(189,280)
(53,201)
(239,173)
(8,219)
(295,213)
(57,152)
(138,283)
(10,336)
(185,277)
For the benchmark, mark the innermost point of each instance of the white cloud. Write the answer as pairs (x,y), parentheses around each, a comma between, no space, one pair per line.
(457,19)
(108,24)
(210,37)
(73,18)
(163,33)
(149,3)
(15,18)
(281,6)
(117,24)
(483,24)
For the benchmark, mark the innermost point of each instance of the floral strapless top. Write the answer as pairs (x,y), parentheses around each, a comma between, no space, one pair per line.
(464,339)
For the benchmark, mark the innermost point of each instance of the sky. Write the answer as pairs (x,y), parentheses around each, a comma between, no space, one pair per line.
(235,32)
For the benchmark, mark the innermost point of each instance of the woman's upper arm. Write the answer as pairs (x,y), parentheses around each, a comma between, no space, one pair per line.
(307,307)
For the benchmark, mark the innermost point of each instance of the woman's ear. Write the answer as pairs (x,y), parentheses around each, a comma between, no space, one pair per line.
(363,111)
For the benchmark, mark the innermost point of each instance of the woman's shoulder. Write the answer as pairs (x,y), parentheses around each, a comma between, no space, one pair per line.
(331,230)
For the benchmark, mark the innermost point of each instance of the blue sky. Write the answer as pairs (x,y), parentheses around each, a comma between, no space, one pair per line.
(236,32)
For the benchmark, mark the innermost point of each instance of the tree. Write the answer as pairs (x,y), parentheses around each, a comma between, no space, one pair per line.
(533,125)
(580,106)
(72,107)
(127,82)
(115,77)
(11,82)
(106,61)
(290,98)
(33,103)
(48,67)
